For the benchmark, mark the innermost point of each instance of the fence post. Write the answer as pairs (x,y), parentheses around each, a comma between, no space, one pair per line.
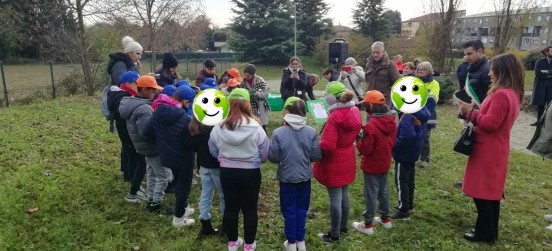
(52,76)
(4,84)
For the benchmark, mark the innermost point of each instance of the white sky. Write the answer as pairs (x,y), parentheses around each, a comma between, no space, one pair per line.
(341,10)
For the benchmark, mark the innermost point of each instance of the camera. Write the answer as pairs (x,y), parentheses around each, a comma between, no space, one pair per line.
(295,70)
(346,68)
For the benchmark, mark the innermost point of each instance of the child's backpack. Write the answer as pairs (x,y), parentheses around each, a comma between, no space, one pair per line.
(108,115)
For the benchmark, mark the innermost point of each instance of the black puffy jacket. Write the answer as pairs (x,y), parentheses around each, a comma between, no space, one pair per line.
(478,74)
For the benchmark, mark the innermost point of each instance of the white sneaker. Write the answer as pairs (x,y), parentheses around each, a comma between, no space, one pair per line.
(235,245)
(290,247)
(250,247)
(189,211)
(549,228)
(301,246)
(361,227)
(182,221)
(548,217)
(385,223)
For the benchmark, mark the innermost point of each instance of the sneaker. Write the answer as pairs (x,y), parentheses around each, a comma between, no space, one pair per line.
(424,164)
(363,228)
(182,221)
(250,247)
(135,198)
(158,207)
(189,211)
(301,246)
(385,222)
(549,228)
(409,210)
(234,245)
(548,217)
(400,215)
(143,191)
(328,238)
(290,246)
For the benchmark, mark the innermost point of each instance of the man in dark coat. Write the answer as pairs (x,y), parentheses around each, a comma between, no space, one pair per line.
(542,87)
(380,72)
(478,70)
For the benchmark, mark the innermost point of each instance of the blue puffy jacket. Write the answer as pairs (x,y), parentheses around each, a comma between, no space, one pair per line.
(172,137)
(410,137)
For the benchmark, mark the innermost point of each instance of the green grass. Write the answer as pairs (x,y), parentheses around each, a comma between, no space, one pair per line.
(529,78)
(81,206)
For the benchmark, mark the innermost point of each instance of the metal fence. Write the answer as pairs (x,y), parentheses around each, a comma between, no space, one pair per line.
(25,83)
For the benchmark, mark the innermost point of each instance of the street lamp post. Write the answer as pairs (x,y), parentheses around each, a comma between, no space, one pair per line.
(295,29)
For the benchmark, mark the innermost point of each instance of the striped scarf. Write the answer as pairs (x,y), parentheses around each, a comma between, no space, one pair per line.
(471,92)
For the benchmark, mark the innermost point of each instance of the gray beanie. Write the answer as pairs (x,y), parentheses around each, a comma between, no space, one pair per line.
(130,45)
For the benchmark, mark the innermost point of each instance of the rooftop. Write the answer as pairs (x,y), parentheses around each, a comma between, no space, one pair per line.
(430,17)
(515,12)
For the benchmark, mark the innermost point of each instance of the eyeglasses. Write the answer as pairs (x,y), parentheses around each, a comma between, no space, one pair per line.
(419,70)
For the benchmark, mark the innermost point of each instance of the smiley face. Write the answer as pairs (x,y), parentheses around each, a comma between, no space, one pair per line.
(211,107)
(409,94)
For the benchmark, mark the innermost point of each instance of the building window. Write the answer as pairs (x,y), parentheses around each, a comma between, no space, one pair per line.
(536,31)
(491,40)
(535,41)
(526,41)
(543,42)
(484,32)
(486,20)
(539,18)
(484,40)
(480,21)
(547,18)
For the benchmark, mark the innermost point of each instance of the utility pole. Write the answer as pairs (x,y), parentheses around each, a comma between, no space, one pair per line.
(295,29)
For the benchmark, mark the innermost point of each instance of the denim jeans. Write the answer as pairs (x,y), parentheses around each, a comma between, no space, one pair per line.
(339,209)
(210,178)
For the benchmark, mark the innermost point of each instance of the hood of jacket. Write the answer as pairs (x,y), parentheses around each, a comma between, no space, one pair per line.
(167,114)
(129,104)
(237,137)
(422,115)
(117,57)
(384,121)
(164,99)
(346,117)
(295,121)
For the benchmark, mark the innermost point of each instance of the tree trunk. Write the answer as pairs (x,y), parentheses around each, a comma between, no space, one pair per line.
(86,65)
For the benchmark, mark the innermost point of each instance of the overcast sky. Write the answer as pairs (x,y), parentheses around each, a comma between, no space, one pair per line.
(341,10)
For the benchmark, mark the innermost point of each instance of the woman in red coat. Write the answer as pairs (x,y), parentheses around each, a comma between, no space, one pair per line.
(485,174)
(337,168)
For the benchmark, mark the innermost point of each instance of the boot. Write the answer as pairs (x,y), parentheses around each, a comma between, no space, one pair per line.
(221,231)
(207,228)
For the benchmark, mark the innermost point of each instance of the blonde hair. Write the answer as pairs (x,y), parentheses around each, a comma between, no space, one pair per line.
(295,59)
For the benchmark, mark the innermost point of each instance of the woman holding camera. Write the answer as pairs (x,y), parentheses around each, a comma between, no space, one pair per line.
(352,77)
(294,80)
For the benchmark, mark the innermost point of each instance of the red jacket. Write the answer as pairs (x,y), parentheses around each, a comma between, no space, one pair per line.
(485,174)
(337,167)
(377,144)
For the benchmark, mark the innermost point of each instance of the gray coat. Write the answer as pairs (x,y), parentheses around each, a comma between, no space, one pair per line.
(542,87)
(294,150)
(541,143)
(138,112)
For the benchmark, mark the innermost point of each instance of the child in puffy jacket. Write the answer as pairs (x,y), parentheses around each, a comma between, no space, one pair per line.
(375,145)
(411,134)
(294,146)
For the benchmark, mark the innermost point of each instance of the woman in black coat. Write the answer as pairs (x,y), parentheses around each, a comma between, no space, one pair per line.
(294,81)
(542,86)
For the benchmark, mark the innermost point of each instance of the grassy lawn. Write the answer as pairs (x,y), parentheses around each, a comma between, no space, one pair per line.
(57,158)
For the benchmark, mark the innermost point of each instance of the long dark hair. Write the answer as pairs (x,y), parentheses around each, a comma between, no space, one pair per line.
(508,72)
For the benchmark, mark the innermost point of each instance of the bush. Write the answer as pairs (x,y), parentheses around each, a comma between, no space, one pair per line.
(320,51)
(531,59)
(447,88)
(72,83)
(360,48)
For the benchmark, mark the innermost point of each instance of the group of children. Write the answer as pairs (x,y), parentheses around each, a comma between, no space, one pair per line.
(163,139)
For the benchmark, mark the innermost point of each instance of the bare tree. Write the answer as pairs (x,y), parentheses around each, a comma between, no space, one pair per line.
(155,14)
(510,18)
(441,42)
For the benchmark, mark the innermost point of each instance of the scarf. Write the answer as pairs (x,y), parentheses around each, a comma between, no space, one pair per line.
(128,89)
(427,78)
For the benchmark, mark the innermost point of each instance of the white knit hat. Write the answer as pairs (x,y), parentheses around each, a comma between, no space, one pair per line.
(130,45)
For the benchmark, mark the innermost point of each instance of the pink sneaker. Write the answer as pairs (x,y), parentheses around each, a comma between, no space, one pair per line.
(234,245)
(250,247)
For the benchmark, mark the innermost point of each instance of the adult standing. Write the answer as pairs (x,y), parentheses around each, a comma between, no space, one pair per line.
(168,74)
(542,87)
(381,73)
(119,63)
(477,80)
(294,80)
(462,72)
(486,169)
(258,93)
(398,60)
(208,71)
(127,60)
(353,78)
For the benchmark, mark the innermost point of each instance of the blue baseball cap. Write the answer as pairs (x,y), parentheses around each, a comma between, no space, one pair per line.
(129,77)
(210,82)
(186,92)
(182,82)
(169,90)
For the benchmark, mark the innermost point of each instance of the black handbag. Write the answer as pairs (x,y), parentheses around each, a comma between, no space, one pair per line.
(464,143)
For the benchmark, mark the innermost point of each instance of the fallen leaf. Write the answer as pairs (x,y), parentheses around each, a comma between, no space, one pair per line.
(32,210)
(136,248)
